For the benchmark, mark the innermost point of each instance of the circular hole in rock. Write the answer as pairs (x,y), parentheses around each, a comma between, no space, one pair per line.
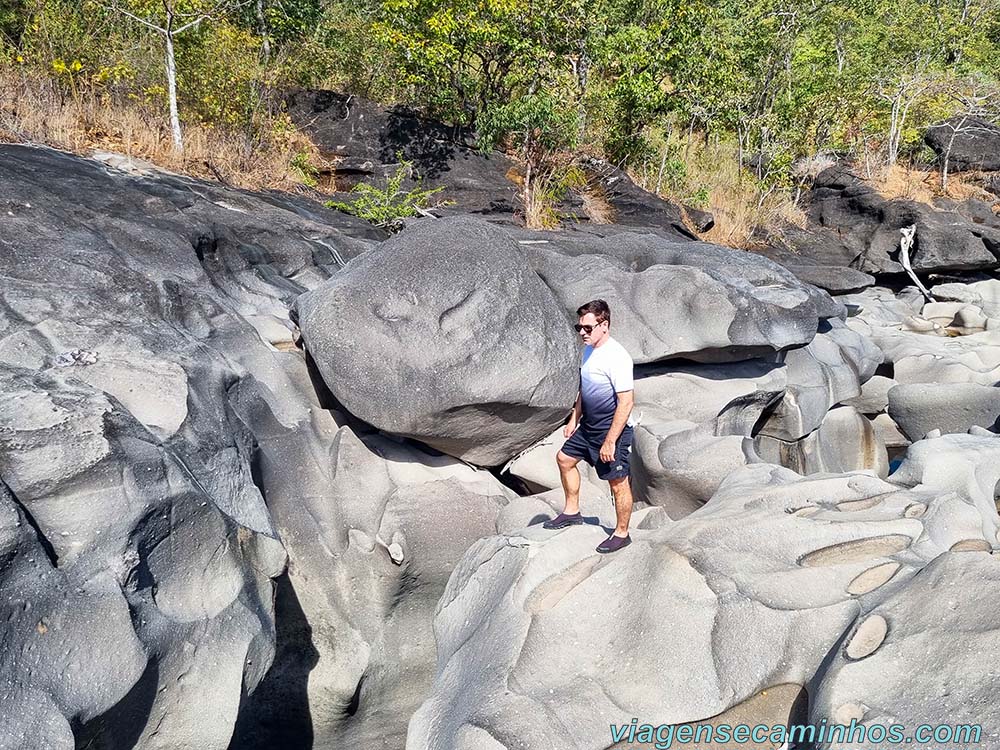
(856,550)
(872,578)
(868,637)
(849,712)
(971,545)
(850,506)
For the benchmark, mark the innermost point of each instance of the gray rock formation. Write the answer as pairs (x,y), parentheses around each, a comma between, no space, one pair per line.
(874,397)
(845,441)
(966,142)
(536,626)
(900,662)
(829,371)
(921,350)
(852,225)
(368,141)
(154,397)
(695,421)
(810,268)
(951,407)
(461,345)
(631,206)
(536,468)
(984,294)
(139,554)
(143,412)
(373,528)
(681,299)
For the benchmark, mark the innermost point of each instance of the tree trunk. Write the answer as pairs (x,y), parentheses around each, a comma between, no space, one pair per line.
(947,153)
(891,147)
(531,218)
(175,122)
(663,166)
(740,154)
(263,31)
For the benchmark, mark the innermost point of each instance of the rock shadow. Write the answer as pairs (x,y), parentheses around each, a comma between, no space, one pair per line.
(277,713)
(121,726)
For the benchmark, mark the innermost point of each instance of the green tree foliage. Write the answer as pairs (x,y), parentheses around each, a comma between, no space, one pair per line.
(543,78)
(386,207)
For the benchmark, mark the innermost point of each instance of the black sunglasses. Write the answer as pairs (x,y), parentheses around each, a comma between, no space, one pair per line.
(588,329)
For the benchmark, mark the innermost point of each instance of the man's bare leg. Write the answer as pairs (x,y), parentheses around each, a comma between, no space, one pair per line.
(622,491)
(570,477)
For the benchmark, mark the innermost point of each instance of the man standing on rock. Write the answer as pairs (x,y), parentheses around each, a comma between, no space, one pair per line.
(600,428)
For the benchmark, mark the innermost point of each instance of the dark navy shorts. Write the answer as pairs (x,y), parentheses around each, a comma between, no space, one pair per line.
(586,446)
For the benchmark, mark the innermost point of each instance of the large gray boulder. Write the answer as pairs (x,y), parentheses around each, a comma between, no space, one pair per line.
(446,335)
(966,143)
(673,299)
(919,408)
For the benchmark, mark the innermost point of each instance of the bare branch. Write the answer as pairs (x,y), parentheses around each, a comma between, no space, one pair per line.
(210,13)
(116,9)
(190,24)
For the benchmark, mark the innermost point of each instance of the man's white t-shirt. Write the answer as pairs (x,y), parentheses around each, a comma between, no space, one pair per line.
(605,371)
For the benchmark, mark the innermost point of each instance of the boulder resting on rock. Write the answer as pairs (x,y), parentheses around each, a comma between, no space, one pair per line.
(446,335)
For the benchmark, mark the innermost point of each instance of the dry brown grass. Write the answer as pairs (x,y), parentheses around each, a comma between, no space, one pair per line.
(597,207)
(924,186)
(742,207)
(742,212)
(33,109)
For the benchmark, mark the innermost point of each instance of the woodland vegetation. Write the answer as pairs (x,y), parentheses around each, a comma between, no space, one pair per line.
(721,104)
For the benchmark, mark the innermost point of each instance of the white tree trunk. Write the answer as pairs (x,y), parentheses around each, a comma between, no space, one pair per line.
(175,122)
(263,31)
(892,145)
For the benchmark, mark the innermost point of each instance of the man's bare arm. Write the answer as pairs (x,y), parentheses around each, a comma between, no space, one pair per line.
(626,399)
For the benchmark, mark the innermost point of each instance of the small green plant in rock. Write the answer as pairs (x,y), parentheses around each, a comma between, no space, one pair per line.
(387,207)
(305,169)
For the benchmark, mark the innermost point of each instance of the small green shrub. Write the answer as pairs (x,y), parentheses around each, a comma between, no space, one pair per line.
(700,198)
(305,169)
(386,208)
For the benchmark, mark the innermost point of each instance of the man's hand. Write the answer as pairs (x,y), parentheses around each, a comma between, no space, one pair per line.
(570,428)
(607,452)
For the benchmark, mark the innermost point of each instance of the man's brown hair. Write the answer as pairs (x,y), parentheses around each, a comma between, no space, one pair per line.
(599,308)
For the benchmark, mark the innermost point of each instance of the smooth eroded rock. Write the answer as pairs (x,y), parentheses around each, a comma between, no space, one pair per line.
(446,335)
